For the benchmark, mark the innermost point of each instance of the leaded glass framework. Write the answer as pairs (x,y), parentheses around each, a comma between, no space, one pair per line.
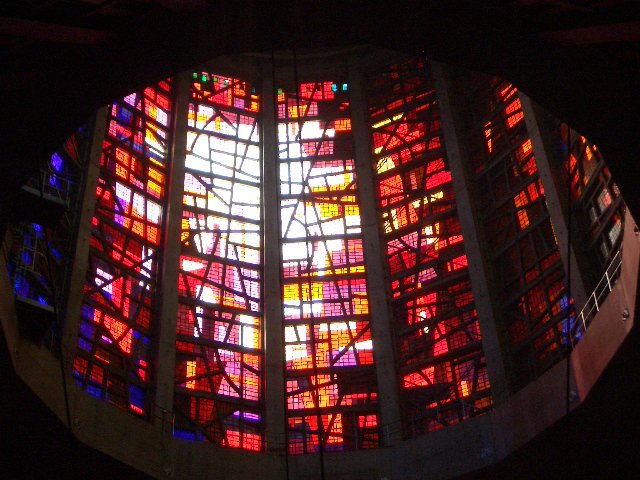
(534,306)
(440,359)
(333,390)
(595,197)
(121,287)
(219,326)
(330,379)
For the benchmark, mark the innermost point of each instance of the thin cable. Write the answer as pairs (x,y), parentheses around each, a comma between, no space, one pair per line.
(569,297)
(58,329)
(312,336)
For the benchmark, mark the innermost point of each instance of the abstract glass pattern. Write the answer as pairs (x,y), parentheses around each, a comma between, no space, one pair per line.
(533,300)
(218,392)
(440,358)
(331,391)
(119,306)
(596,199)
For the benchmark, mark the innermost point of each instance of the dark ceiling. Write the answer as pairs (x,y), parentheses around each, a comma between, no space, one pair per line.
(61,59)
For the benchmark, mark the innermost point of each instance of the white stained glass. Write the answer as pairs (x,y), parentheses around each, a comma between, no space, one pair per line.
(207,294)
(103,278)
(204,115)
(248,132)
(198,327)
(153,212)
(123,193)
(191,265)
(198,164)
(222,145)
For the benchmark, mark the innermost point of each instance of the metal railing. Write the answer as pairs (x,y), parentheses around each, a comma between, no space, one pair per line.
(595,300)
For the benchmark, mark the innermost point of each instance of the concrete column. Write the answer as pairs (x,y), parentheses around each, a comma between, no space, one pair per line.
(478,262)
(80,264)
(381,317)
(555,192)
(166,340)
(273,331)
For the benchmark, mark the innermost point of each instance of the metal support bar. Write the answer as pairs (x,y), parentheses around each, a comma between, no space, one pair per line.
(383,341)
(166,341)
(272,292)
(476,255)
(81,256)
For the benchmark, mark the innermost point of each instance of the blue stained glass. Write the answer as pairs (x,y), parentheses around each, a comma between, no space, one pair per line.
(124,115)
(184,434)
(86,329)
(251,417)
(84,345)
(95,391)
(136,396)
(26,258)
(57,163)
(87,312)
(564,301)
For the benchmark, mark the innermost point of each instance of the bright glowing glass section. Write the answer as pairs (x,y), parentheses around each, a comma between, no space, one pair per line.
(120,289)
(218,391)
(533,302)
(441,361)
(330,377)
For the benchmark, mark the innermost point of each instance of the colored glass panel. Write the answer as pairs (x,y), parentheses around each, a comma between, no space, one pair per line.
(218,391)
(37,263)
(530,281)
(595,198)
(331,391)
(443,373)
(119,307)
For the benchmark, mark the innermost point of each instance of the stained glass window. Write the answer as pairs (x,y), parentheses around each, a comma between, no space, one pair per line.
(219,326)
(330,379)
(533,301)
(119,305)
(441,362)
(595,197)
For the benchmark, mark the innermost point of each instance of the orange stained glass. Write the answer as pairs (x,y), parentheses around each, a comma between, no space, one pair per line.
(433,308)
(114,341)
(218,391)
(328,342)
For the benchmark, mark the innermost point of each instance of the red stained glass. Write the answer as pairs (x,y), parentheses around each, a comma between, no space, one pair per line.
(444,376)
(115,331)
(218,388)
(330,377)
(524,254)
